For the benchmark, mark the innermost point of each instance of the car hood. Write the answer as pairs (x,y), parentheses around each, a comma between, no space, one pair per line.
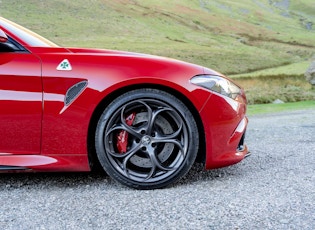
(104,52)
(120,54)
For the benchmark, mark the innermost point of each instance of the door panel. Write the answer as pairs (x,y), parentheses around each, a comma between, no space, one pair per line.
(20,103)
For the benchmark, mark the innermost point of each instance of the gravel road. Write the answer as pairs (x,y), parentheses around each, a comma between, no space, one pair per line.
(272,189)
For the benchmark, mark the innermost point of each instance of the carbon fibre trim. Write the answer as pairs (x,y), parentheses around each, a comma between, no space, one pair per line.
(74,92)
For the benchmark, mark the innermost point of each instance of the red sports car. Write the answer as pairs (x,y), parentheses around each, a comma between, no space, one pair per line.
(145,119)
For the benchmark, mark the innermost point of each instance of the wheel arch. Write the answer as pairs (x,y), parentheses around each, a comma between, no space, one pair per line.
(201,156)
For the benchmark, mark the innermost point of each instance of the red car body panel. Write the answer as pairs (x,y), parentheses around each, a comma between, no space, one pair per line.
(41,133)
(20,103)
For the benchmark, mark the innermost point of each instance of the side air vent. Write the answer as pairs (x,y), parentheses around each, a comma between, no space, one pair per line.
(74,92)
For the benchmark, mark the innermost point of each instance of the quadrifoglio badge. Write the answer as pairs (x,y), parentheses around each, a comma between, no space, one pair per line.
(64,65)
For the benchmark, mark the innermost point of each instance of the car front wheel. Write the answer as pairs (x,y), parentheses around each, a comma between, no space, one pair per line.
(146,139)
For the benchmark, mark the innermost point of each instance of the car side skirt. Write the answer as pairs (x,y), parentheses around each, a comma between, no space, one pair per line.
(40,163)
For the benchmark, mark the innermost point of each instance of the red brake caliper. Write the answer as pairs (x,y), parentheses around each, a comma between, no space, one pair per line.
(122,137)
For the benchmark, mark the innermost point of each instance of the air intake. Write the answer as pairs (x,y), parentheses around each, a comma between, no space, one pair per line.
(74,92)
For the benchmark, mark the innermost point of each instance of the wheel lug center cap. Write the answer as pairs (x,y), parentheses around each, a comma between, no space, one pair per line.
(146,140)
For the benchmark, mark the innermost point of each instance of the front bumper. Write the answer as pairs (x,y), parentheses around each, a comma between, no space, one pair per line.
(225,126)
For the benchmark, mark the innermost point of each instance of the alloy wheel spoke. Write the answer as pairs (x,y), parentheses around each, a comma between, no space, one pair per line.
(131,152)
(151,173)
(154,116)
(148,108)
(164,138)
(175,142)
(126,128)
(156,165)
(128,155)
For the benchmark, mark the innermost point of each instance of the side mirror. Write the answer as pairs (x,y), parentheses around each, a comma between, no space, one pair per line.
(3,37)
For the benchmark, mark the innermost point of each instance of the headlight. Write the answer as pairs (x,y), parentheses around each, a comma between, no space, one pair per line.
(217,84)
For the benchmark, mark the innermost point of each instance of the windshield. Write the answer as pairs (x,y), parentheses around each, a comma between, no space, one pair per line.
(29,37)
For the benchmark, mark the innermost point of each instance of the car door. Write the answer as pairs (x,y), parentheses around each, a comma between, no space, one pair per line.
(20,102)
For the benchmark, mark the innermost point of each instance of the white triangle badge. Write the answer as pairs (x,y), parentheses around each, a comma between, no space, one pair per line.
(64,65)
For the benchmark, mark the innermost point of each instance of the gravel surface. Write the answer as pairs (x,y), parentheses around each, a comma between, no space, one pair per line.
(272,189)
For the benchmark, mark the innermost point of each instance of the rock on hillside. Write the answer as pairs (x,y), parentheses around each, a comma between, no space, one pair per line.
(310,73)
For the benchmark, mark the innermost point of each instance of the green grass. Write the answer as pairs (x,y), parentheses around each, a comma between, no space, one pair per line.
(274,108)
(266,89)
(295,69)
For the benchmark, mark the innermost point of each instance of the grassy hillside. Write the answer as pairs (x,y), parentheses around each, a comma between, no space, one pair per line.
(234,37)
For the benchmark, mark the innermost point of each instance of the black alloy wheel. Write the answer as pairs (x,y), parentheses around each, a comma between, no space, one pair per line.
(146,139)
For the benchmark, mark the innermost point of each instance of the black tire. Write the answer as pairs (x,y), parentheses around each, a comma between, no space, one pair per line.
(160,139)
